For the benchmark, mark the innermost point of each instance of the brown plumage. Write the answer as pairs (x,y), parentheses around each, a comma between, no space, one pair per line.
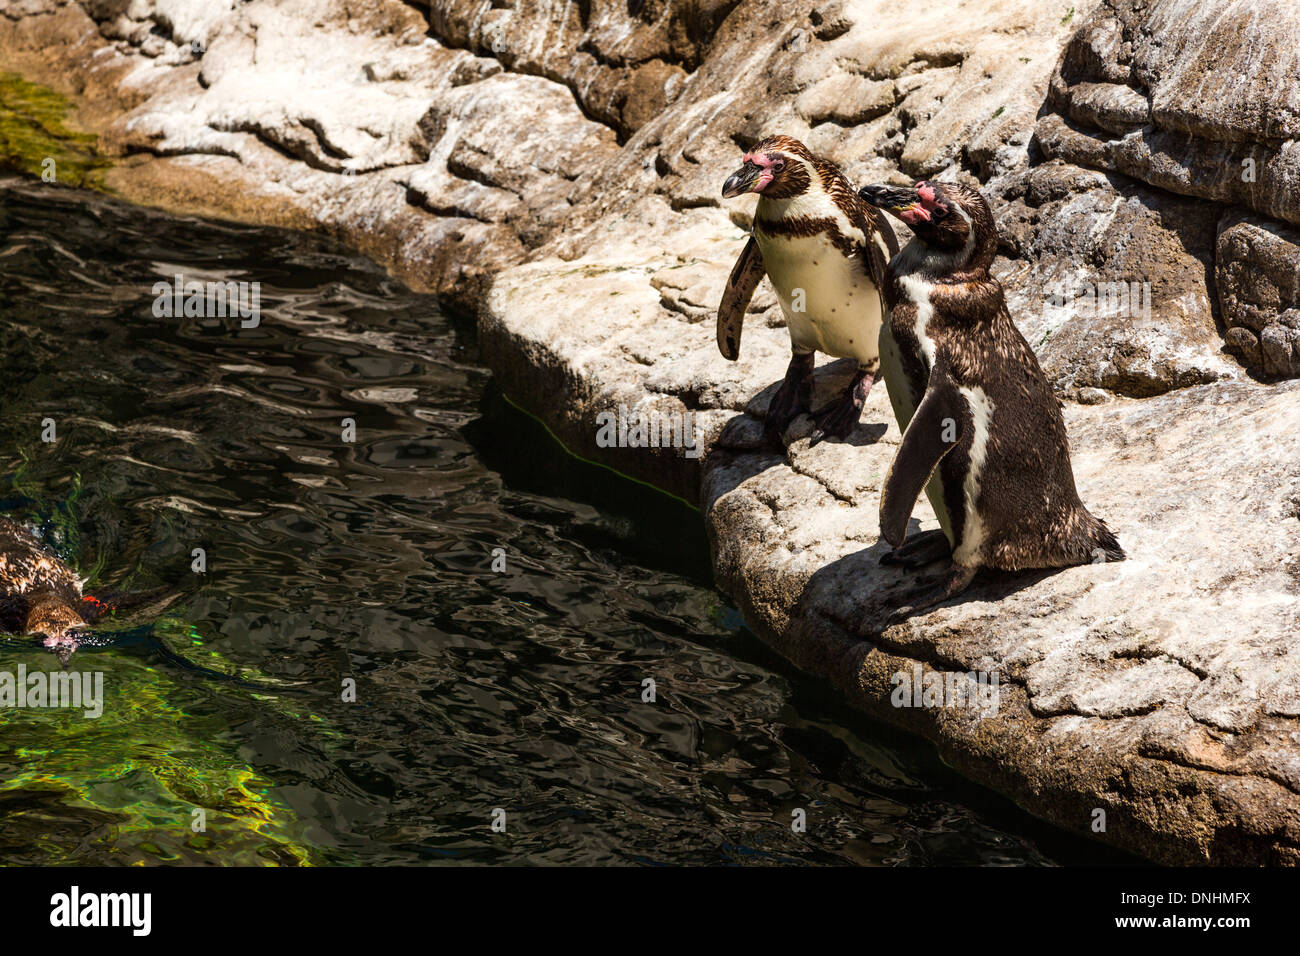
(39,594)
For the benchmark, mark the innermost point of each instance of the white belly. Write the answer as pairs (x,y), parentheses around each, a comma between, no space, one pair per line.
(900,397)
(891,366)
(830,303)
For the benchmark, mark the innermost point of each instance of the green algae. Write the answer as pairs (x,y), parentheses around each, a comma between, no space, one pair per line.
(129,782)
(35,138)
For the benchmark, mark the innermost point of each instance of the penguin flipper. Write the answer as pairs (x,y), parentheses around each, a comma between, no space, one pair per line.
(934,430)
(877,258)
(745,276)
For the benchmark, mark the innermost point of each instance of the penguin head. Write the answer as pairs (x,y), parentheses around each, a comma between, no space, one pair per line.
(59,626)
(780,167)
(946,217)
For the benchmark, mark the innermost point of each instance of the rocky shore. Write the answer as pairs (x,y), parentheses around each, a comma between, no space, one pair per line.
(554,171)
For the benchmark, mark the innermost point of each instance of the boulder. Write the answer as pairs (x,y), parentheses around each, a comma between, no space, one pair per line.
(1257,273)
(1106,277)
(1195,97)
(1199,99)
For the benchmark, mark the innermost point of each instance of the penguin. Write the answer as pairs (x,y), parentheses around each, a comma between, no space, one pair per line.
(825,252)
(983,432)
(39,594)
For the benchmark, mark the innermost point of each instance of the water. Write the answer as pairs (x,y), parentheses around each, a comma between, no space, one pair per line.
(371,561)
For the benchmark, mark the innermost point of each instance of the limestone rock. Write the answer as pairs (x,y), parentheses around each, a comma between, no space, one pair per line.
(1199,99)
(1258,278)
(1120,684)
(1194,97)
(846,99)
(623,61)
(1120,303)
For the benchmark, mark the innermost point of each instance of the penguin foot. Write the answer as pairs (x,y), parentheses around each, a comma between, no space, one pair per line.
(840,418)
(838,421)
(927,598)
(919,550)
(791,400)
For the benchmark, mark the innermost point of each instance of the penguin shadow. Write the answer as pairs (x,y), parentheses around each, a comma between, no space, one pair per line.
(830,381)
(882,595)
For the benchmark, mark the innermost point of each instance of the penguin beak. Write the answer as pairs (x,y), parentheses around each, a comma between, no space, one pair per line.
(921,204)
(65,644)
(741,181)
(897,201)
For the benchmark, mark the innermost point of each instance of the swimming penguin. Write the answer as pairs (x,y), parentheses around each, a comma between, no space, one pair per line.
(39,594)
(825,252)
(982,430)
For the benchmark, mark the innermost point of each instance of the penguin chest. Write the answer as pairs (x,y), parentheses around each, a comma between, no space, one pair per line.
(900,387)
(904,394)
(830,303)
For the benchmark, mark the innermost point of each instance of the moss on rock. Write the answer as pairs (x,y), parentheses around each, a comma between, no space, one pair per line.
(35,139)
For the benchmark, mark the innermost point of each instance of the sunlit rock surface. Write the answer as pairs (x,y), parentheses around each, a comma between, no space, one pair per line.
(1164,689)
(1195,97)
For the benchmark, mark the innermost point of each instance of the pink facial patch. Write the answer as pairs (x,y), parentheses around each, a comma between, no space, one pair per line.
(765,163)
(927,201)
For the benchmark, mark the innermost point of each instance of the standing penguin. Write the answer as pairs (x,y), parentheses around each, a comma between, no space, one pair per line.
(983,431)
(825,252)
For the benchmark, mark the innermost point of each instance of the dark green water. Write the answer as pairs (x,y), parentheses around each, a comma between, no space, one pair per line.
(371,560)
